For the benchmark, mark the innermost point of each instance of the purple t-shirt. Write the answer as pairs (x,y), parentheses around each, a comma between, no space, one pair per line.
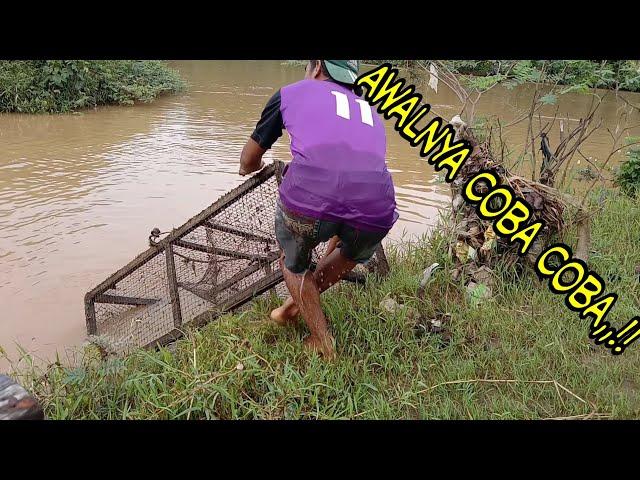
(338,142)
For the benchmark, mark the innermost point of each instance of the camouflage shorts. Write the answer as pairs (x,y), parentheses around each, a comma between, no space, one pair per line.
(298,235)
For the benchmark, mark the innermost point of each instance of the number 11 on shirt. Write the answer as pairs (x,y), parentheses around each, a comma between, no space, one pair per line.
(342,108)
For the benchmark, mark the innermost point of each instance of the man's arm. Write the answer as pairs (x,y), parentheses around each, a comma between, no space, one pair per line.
(251,157)
(268,130)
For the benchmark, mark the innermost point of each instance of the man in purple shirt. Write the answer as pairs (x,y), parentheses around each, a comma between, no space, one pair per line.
(336,186)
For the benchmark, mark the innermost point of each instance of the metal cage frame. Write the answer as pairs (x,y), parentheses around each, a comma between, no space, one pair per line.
(100,296)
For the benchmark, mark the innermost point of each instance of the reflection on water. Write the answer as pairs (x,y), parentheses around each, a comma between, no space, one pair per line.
(79,193)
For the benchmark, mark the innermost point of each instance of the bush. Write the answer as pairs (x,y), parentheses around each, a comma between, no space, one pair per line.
(628,175)
(55,86)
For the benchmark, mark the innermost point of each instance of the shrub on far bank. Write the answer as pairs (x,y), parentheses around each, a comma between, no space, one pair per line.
(57,86)
(628,175)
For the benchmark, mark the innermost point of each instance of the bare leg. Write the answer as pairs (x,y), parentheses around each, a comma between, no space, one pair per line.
(304,290)
(288,312)
(331,246)
(329,271)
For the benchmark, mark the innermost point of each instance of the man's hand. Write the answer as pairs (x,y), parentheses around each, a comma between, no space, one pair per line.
(251,158)
(243,171)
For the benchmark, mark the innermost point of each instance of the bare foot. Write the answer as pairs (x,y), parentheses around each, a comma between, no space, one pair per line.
(283,316)
(322,346)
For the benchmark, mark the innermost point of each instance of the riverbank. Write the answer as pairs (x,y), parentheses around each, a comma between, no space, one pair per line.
(521,354)
(59,86)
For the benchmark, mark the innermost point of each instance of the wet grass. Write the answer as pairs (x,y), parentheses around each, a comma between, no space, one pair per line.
(519,355)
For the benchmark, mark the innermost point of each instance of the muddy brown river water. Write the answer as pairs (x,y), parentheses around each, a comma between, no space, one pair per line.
(79,193)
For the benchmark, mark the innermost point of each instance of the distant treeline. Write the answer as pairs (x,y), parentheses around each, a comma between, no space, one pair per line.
(610,74)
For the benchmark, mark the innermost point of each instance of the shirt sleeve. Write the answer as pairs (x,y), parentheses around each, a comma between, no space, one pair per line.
(270,125)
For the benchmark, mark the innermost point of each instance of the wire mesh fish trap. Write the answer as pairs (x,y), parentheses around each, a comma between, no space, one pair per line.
(214,263)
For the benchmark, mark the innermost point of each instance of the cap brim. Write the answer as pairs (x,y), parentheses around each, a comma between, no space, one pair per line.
(339,74)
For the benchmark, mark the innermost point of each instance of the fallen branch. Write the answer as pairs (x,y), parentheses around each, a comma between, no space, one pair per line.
(555,383)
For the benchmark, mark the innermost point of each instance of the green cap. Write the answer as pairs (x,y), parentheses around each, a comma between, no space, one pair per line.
(344,71)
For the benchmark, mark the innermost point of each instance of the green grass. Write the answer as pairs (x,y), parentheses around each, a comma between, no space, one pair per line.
(520,355)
